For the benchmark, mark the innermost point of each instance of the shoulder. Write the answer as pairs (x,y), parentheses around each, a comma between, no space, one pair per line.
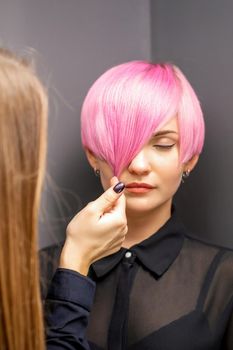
(211,269)
(205,245)
(213,256)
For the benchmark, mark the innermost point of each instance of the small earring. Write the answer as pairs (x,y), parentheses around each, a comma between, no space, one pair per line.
(185,175)
(97,172)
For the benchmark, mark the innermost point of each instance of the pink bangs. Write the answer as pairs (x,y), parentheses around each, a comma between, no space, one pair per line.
(132,101)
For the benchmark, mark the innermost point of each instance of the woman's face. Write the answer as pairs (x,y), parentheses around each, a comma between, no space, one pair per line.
(154,175)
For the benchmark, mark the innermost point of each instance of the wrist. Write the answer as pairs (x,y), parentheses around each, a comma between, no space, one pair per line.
(73,260)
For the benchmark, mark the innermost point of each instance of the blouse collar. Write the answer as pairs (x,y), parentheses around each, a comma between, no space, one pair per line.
(155,253)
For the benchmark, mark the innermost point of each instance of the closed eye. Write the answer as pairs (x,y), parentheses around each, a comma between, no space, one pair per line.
(164,146)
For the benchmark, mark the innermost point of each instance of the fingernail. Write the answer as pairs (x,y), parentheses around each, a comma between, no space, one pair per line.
(118,188)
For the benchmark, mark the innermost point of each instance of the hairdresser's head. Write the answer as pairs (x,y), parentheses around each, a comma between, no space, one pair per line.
(23,114)
(132,101)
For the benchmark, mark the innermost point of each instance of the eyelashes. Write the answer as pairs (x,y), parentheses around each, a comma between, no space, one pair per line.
(164,147)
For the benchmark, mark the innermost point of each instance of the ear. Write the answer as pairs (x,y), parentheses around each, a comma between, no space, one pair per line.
(92,159)
(190,165)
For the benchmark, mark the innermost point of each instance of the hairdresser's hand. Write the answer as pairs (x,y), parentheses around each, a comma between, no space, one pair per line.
(96,231)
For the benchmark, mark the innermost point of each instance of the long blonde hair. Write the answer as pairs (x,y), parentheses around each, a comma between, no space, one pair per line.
(23,120)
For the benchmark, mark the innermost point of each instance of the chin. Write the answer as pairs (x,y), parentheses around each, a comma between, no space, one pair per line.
(145,205)
(139,206)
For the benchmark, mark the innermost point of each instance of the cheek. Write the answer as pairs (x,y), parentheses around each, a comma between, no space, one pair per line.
(170,169)
(173,180)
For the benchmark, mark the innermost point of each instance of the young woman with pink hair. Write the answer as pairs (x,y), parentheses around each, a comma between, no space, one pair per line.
(130,275)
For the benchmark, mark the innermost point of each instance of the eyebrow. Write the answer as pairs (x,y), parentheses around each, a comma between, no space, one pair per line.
(164,132)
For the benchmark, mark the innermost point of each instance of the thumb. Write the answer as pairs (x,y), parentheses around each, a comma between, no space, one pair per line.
(109,198)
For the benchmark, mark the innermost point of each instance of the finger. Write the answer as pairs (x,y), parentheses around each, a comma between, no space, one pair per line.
(120,205)
(114,180)
(109,198)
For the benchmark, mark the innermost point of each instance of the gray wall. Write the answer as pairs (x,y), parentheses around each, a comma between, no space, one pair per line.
(198,37)
(74,41)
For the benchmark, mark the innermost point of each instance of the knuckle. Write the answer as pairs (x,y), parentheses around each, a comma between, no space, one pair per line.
(124,224)
(90,208)
(68,228)
(109,198)
(123,235)
(125,230)
(90,204)
(121,222)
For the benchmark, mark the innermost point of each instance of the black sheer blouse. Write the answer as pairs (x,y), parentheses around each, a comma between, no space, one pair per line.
(171,291)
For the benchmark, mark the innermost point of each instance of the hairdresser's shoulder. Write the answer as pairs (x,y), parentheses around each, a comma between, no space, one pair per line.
(49,261)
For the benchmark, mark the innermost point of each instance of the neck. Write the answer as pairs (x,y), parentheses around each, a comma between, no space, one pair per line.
(143,225)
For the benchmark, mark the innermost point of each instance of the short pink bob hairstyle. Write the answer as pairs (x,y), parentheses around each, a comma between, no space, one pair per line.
(132,101)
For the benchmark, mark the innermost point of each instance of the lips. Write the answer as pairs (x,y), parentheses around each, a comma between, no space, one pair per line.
(138,188)
(139,185)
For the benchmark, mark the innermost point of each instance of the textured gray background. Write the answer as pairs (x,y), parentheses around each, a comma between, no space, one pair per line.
(74,41)
(198,37)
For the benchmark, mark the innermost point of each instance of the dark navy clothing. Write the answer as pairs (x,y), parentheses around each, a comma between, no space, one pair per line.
(69,304)
(171,291)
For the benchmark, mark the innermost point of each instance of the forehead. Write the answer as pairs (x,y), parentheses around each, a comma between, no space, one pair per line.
(171,125)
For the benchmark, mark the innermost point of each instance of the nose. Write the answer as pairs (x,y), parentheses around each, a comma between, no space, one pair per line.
(140,164)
